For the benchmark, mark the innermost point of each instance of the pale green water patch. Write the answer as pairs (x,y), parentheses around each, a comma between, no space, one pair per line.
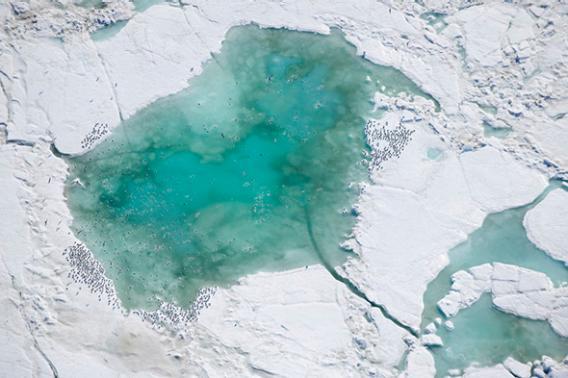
(462,54)
(239,173)
(481,330)
(488,336)
(111,30)
(488,108)
(142,5)
(498,132)
(435,19)
(434,153)
(108,31)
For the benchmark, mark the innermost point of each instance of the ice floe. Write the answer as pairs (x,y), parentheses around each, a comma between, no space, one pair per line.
(547,225)
(508,70)
(519,291)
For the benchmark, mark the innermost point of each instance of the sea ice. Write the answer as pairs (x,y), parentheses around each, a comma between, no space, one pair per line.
(547,225)
(56,83)
(515,290)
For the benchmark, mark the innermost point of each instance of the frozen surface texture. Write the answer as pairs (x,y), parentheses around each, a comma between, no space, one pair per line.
(515,290)
(409,221)
(252,168)
(547,225)
(497,65)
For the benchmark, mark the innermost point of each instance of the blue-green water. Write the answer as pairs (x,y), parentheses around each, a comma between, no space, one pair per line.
(108,31)
(142,5)
(498,132)
(488,109)
(113,29)
(434,153)
(226,177)
(482,333)
(435,19)
(486,335)
(139,5)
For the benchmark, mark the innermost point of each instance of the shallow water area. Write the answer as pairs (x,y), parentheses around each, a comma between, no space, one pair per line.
(435,19)
(487,336)
(142,5)
(434,153)
(498,132)
(482,333)
(139,5)
(108,31)
(253,168)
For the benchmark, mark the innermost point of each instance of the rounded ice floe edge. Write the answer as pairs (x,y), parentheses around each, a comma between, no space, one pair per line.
(87,271)
(515,290)
(311,20)
(519,291)
(546,367)
(547,224)
(67,320)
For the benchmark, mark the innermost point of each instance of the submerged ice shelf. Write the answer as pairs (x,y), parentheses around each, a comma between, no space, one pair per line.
(483,334)
(247,170)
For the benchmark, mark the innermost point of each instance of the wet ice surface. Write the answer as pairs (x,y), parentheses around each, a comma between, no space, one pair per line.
(514,62)
(254,167)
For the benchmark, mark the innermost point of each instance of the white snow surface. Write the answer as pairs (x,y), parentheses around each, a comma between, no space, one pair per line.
(56,84)
(518,369)
(547,225)
(497,371)
(420,363)
(420,208)
(313,326)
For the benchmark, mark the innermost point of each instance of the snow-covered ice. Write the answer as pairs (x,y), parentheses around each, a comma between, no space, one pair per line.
(547,225)
(57,83)
(519,291)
